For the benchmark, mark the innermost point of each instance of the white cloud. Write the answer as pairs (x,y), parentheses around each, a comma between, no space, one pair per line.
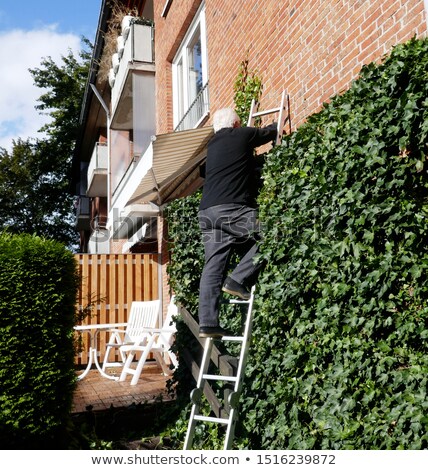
(19,51)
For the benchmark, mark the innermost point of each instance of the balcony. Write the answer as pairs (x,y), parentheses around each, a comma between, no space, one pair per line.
(83,213)
(97,172)
(132,218)
(136,55)
(198,111)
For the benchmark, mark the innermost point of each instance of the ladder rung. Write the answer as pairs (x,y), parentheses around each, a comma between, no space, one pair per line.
(235,301)
(232,338)
(226,378)
(210,419)
(267,111)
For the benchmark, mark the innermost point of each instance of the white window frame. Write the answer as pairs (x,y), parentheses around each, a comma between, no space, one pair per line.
(426,11)
(179,109)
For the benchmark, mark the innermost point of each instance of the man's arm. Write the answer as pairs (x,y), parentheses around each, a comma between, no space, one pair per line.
(263,135)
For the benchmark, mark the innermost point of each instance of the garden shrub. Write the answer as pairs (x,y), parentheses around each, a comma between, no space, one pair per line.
(38,287)
(339,351)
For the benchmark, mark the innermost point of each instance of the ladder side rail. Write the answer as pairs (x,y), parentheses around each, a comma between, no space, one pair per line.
(281,119)
(253,107)
(246,343)
(198,392)
(230,431)
(233,413)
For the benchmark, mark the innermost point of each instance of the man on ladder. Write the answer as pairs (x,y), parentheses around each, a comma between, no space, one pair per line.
(228,220)
(228,215)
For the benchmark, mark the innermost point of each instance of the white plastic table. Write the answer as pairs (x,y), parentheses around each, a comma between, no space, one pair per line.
(93,331)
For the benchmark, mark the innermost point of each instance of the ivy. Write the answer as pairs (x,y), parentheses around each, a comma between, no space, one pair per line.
(344,210)
(340,339)
(247,87)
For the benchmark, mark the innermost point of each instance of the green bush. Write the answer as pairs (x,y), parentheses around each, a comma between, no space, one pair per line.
(38,287)
(339,352)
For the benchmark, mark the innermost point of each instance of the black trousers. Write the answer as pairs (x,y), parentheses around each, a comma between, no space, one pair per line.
(226,228)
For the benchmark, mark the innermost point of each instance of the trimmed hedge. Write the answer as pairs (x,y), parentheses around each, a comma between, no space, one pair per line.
(38,286)
(339,353)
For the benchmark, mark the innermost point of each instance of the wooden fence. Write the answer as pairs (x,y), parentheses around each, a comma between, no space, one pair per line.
(108,285)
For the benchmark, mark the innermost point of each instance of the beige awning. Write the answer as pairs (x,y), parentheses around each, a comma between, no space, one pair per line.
(175,157)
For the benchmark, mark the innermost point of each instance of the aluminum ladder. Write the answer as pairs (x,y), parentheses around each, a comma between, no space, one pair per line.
(283,117)
(233,398)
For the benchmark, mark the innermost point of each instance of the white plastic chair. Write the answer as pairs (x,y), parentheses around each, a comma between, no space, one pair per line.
(154,340)
(143,314)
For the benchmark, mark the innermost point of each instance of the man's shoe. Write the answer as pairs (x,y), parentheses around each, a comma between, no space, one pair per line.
(234,288)
(212,332)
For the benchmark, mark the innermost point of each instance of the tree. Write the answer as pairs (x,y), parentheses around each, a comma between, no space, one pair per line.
(65,85)
(35,175)
(33,198)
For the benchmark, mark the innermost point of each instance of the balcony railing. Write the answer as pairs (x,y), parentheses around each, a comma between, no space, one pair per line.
(97,171)
(138,52)
(196,112)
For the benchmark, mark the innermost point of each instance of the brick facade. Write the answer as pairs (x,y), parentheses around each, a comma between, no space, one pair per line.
(169,32)
(312,48)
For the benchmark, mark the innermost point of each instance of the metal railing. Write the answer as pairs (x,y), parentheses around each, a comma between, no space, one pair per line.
(197,110)
(82,206)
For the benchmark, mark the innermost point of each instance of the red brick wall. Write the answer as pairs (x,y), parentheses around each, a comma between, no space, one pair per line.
(116,246)
(313,48)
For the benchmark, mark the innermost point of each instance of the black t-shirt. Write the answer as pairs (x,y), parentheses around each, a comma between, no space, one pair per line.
(230,165)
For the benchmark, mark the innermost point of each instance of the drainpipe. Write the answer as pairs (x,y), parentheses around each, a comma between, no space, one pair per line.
(107,111)
(160,287)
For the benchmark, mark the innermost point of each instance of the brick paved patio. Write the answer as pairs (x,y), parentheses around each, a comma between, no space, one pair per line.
(101,393)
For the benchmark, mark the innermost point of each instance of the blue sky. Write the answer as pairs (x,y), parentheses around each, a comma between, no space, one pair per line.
(78,17)
(29,31)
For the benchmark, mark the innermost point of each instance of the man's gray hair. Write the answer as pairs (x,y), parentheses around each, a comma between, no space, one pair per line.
(225,117)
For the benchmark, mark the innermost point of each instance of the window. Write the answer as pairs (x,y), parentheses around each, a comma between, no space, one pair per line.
(190,76)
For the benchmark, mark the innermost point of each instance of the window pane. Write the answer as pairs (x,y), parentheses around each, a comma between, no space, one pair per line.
(195,66)
(120,156)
